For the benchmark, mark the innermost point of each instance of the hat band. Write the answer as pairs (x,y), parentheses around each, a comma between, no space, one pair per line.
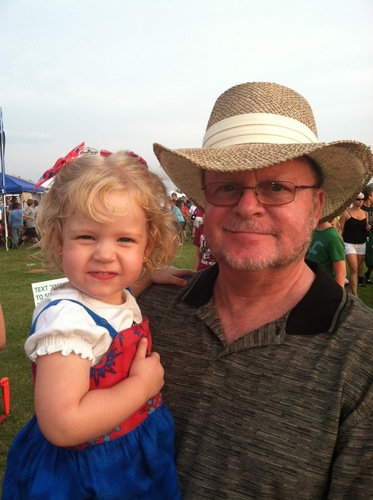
(257,128)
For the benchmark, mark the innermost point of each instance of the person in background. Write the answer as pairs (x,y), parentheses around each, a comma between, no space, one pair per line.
(30,223)
(36,207)
(268,360)
(181,204)
(101,428)
(368,207)
(15,221)
(179,220)
(327,249)
(12,202)
(192,216)
(354,227)
(2,226)
(2,330)
(197,220)
(204,258)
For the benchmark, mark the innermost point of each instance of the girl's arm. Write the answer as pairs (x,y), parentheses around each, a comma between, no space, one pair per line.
(69,413)
(339,267)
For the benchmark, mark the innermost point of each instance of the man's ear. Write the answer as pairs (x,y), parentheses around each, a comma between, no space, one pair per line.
(319,203)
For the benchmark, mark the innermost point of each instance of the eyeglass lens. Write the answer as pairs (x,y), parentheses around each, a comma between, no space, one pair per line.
(267,193)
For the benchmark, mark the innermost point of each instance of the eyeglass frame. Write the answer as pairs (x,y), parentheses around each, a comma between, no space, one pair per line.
(240,190)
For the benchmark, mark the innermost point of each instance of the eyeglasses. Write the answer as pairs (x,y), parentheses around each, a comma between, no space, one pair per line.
(359,199)
(226,194)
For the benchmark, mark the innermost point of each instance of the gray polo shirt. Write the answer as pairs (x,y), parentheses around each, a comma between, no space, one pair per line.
(285,412)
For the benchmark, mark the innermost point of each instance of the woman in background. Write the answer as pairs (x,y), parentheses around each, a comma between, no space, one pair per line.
(354,227)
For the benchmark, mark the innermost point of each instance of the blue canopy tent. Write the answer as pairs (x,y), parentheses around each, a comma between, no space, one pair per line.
(15,185)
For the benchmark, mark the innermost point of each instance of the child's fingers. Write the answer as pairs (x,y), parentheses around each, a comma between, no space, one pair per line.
(141,348)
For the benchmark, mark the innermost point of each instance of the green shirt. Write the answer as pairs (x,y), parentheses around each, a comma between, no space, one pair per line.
(285,412)
(326,247)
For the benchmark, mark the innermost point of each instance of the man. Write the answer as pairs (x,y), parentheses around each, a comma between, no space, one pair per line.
(268,361)
(327,249)
(30,223)
(368,207)
(15,220)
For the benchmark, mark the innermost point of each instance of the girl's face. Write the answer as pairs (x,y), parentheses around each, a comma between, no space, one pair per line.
(101,259)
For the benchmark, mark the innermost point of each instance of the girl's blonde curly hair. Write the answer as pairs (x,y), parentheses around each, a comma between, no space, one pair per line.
(79,186)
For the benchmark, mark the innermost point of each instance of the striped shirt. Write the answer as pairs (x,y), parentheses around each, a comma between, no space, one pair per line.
(285,412)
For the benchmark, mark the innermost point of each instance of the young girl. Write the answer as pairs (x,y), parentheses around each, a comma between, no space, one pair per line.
(101,429)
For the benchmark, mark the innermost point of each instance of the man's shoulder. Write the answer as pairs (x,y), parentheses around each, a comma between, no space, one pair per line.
(162,297)
(156,290)
(356,320)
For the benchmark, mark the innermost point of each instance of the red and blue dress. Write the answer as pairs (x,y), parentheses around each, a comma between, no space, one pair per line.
(133,461)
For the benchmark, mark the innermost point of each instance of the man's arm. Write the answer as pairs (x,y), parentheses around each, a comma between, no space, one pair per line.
(339,267)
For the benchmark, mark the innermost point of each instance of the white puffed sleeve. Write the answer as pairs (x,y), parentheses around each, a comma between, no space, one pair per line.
(67,328)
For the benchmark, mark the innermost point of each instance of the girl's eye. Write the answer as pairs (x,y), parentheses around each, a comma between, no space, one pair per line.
(85,237)
(125,239)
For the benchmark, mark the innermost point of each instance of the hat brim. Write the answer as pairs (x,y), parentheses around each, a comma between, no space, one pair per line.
(346,165)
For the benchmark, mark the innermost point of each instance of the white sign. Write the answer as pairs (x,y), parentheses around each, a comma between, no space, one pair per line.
(43,289)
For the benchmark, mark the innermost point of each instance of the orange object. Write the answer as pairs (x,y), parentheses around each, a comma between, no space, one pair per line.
(4,384)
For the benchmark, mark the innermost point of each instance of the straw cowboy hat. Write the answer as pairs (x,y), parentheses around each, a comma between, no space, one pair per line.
(255,125)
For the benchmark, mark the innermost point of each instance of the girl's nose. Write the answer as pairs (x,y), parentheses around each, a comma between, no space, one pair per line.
(104,251)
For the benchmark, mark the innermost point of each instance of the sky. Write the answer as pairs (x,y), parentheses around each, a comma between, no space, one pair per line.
(123,74)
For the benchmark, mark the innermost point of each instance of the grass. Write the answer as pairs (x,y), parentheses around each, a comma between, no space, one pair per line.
(18,271)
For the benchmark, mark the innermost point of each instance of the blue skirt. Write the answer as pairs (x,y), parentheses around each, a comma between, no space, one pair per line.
(137,465)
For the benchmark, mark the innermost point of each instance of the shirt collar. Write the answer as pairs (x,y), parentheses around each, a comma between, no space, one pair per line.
(316,312)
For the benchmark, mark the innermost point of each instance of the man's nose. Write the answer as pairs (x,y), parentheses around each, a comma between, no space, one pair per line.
(248,202)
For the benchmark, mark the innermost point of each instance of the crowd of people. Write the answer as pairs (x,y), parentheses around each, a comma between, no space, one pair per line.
(21,222)
(267,358)
(347,239)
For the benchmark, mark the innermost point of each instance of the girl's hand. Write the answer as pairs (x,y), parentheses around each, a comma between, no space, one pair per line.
(147,369)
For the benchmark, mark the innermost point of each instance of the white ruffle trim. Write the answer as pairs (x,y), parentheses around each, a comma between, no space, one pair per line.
(64,345)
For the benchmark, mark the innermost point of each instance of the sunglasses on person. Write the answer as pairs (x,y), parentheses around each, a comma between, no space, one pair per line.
(272,193)
(359,199)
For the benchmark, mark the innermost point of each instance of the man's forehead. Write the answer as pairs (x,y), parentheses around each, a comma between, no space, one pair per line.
(286,170)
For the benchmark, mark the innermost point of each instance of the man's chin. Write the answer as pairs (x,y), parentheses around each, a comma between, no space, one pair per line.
(257,263)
